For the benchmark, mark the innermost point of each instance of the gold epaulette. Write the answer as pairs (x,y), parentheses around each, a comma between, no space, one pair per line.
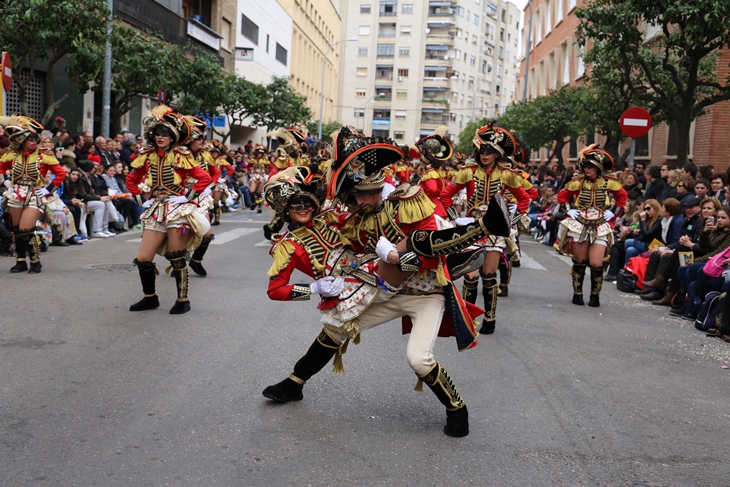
(8,156)
(430,174)
(574,184)
(413,204)
(48,158)
(613,184)
(463,175)
(184,158)
(141,159)
(510,178)
(281,251)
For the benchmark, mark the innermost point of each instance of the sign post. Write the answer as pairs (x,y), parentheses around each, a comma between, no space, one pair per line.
(635,122)
(6,74)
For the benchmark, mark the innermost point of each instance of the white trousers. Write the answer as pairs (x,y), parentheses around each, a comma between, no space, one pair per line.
(100,214)
(425,313)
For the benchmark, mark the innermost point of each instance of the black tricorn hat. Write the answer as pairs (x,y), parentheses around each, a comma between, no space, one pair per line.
(498,138)
(595,156)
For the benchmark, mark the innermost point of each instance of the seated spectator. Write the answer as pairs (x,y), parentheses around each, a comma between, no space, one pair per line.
(123,201)
(702,188)
(717,187)
(69,156)
(673,178)
(650,228)
(632,185)
(79,186)
(684,190)
(655,184)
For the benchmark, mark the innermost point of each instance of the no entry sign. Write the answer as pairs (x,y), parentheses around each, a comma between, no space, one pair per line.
(7,71)
(635,122)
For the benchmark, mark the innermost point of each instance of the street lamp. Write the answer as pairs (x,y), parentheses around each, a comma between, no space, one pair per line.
(321,91)
(379,95)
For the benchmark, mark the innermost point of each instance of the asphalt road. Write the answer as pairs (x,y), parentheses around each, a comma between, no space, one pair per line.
(560,395)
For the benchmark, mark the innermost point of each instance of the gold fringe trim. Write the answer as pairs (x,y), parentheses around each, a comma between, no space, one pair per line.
(48,159)
(139,161)
(339,367)
(463,176)
(356,341)
(281,253)
(185,161)
(440,275)
(422,274)
(415,209)
(430,174)
(168,269)
(419,386)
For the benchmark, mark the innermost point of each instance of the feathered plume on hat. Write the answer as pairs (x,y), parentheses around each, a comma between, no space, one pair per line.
(289,139)
(162,115)
(291,182)
(495,137)
(215,145)
(197,127)
(18,128)
(595,156)
(435,148)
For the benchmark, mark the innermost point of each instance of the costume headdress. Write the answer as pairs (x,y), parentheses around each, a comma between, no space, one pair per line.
(358,162)
(197,127)
(595,156)
(215,145)
(289,139)
(435,148)
(18,128)
(292,182)
(164,116)
(496,138)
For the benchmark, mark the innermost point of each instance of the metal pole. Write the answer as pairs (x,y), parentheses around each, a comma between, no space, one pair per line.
(632,153)
(321,91)
(527,56)
(474,100)
(106,103)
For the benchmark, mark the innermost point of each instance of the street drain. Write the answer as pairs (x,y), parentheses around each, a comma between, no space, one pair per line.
(110,267)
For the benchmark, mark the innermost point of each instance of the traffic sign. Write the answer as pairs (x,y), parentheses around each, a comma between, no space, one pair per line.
(635,122)
(6,66)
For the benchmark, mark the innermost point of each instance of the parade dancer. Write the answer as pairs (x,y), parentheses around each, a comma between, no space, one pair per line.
(491,143)
(357,178)
(257,177)
(589,234)
(27,194)
(171,222)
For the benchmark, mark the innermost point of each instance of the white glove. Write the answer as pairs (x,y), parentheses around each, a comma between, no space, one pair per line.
(221,180)
(178,200)
(42,192)
(464,220)
(384,247)
(327,287)
(573,213)
(608,214)
(205,192)
(148,203)
(7,183)
(512,207)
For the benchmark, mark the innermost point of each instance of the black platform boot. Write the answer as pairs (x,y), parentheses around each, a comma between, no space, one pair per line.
(318,355)
(259,202)
(180,268)
(505,276)
(457,416)
(469,289)
(34,252)
(147,274)
(596,285)
(490,290)
(578,272)
(21,244)
(196,261)
(216,214)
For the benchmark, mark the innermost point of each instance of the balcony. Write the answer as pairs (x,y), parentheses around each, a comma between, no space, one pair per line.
(436,82)
(153,17)
(434,102)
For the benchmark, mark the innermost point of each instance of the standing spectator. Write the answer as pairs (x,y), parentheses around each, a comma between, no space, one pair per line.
(656,185)
(78,147)
(248,147)
(689,170)
(717,186)
(88,137)
(639,170)
(68,155)
(310,140)
(702,188)
(673,178)
(125,154)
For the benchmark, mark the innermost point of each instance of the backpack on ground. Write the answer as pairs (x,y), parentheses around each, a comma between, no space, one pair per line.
(708,312)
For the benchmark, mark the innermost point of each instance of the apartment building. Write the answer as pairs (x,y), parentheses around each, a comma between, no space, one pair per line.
(316,25)
(419,65)
(556,60)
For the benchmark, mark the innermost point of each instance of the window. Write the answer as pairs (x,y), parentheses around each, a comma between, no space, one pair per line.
(571,5)
(364,9)
(457,53)
(558,11)
(573,149)
(673,140)
(459,11)
(226,33)
(474,40)
(399,135)
(566,63)
(249,30)
(472,60)
(405,30)
(501,52)
(548,17)
(364,30)
(403,73)
(580,67)
(362,51)
(388,9)
(400,114)
(360,93)
(404,51)
(489,67)
(401,94)
(642,146)
(475,19)
(386,50)
(501,34)
(407,8)
(497,87)
(504,12)
(362,71)
(506,55)
(499,70)
(267,42)
(359,113)
(281,54)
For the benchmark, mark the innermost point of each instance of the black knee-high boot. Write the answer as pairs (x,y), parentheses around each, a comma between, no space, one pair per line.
(457,416)
(147,274)
(34,252)
(216,214)
(259,202)
(318,355)
(490,290)
(469,289)
(21,244)
(196,261)
(578,272)
(505,276)
(596,285)
(180,268)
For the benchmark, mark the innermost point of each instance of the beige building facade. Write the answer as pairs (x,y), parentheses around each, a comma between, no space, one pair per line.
(420,65)
(316,26)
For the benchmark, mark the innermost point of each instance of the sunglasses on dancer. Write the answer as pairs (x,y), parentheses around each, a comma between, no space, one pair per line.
(304,205)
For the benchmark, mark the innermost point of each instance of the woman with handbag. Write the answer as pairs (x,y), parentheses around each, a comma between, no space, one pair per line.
(716,238)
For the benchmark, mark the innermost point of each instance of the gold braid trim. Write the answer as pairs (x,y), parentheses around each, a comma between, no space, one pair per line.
(281,252)
(430,174)
(184,160)
(415,209)
(463,176)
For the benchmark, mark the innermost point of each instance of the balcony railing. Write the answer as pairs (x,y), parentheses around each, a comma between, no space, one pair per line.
(388,14)
(382,35)
(436,101)
(383,98)
(440,14)
(387,77)
(385,56)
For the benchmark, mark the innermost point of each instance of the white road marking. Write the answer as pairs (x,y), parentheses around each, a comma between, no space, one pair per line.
(264,243)
(527,262)
(564,258)
(134,240)
(226,237)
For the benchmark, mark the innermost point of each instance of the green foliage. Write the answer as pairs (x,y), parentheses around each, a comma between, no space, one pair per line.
(240,100)
(199,83)
(285,107)
(327,129)
(44,31)
(464,140)
(675,71)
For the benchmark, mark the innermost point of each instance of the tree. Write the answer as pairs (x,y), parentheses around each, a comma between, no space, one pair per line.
(285,107)
(199,83)
(675,71)
(43,32)
(241,101)
(464,141)
(327,129)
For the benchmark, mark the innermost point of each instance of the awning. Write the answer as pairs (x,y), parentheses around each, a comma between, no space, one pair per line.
(378,87)
(381,122)
(432,110)
(439,4)
(433,88)
(489,5)
(489,43)
(388,3)
(426,132)
(388,66)
(436,47)
(435,68)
